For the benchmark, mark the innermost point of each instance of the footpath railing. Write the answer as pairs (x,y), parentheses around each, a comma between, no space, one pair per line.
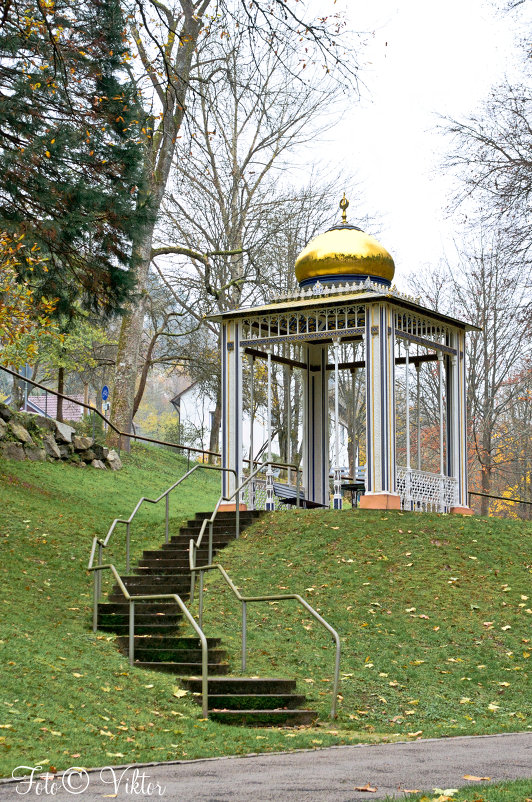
(528,504)
(97,569)
(127,436)
(245,600)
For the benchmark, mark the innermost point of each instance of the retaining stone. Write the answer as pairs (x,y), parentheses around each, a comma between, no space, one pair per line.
(34,453)
(82,443)
(3,429)
(20,432)
(5,412)
(97,463)
(63,432)
(114,460)
(12,451)
(51,447)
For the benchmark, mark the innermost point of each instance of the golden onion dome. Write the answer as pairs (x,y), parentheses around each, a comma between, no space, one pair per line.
(344,253)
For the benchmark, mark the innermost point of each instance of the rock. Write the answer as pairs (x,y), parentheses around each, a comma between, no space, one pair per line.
(100,451)
(63,432)
(12,451)
(82,443)
(51,447)
(3,428)
(114,460)
(97,463)
(5,413)
(43,423)
(20,432)
(35,453)
(88,455)
(65,451)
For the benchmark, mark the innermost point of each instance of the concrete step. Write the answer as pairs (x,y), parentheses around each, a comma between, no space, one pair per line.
(140,629)
(118,596)
(183,669)
(164,642)
(173,618)
(155,654)
(242,685)
(254,701)
(264,718)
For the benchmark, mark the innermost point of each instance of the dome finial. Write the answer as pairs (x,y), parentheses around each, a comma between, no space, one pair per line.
(344,203)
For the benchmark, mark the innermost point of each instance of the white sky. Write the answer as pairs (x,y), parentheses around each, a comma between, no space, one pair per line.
(423,58)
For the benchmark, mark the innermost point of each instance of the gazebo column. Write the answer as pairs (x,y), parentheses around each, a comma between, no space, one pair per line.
(231,410)
(380,410)
(457,423)
(316,426)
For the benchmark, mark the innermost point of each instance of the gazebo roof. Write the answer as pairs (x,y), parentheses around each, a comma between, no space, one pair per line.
(306,300)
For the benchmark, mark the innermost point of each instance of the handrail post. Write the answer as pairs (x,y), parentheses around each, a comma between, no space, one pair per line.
(244,635)
(131,632)
(298,486)
(210,542)
(95,603)
(100,555)
(200,614)
(237,515)
(188,459)
(127,546)
(167,517)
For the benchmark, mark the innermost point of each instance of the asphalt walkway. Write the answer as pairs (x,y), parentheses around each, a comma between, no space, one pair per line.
(324,775)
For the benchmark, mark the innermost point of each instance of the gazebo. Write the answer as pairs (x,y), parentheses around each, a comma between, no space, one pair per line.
(346,296)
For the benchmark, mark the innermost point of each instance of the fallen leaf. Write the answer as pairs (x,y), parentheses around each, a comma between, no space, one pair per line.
(475,779)
(366,787)
(179,692)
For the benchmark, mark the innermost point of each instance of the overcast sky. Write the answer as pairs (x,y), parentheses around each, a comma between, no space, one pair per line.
(423,59)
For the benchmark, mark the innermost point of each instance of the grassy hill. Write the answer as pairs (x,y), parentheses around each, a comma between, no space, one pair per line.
(433,613)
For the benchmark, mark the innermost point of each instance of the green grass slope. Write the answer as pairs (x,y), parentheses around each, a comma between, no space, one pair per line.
(69,698)
(434,614)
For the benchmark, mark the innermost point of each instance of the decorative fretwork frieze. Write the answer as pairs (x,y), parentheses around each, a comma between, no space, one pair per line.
(304,324)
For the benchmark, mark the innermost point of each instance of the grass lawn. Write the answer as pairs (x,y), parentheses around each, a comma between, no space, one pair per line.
(517,791)
(456,664)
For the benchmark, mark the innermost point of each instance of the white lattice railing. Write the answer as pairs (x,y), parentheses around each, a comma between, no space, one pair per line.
(429,492)
(254,496)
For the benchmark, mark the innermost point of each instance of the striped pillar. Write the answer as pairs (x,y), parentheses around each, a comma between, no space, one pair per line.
(380,410)
(457,423)
(316,425)
(231,406)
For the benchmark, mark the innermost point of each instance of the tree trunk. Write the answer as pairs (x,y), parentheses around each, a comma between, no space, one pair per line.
(17,394)
(157,170)
(214,439)
(60,389)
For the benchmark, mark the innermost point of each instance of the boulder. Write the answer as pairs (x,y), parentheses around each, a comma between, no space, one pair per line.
(100,451)
(114,460)
(51,447)
(88,455)
(35,453)
(12,451)
(21,434)
(65,451)
(5,413)
(63,432)
(82,443)
(3,429)
(97,463)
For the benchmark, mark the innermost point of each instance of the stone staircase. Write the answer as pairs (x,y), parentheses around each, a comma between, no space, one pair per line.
(159,647)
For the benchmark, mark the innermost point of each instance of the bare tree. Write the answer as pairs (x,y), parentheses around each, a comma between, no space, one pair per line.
(485,287)
(166,37)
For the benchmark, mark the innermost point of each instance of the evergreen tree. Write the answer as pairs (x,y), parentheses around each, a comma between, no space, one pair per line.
(70,148)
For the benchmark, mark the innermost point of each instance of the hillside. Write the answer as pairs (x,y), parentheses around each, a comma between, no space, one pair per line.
(457,663)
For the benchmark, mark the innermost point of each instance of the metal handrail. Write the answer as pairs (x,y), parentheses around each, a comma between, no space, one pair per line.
(97,542)
(194,545)
(157,596)
(284,597)
(121,434)
(499,498)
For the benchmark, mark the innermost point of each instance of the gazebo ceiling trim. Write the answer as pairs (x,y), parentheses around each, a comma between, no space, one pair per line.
(330,301)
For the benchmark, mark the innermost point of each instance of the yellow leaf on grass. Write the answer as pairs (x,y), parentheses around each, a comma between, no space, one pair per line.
(179,692)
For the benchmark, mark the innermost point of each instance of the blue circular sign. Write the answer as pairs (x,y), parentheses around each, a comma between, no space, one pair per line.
(105,392)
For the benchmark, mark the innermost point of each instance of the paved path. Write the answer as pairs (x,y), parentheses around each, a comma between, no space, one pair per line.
(325,775)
